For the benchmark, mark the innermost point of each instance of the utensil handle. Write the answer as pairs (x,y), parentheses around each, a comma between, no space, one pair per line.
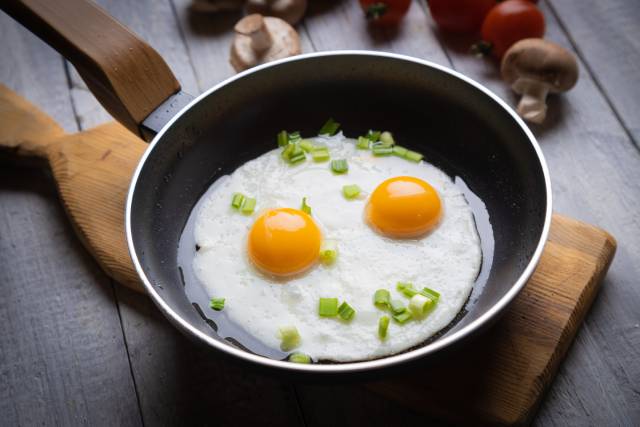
(125,74)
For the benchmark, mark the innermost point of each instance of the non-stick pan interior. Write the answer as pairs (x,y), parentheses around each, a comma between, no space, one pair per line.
(456,125)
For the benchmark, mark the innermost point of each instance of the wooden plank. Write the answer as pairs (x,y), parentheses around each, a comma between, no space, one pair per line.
(63,359)
(594,171)
(606,34)
(177,382)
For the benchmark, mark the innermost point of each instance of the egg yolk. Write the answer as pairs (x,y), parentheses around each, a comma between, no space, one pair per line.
(284,242)
(403,207)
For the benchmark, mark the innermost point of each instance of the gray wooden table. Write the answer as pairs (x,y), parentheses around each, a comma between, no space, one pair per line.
(78,349)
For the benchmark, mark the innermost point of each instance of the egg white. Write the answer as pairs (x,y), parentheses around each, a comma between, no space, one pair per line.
(446,260)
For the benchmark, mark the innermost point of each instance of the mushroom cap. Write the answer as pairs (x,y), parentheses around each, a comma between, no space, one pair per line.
(284,41)
(540,60)
(289,10)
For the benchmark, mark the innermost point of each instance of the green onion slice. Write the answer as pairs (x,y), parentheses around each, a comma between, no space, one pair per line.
(382,150)
(419,305)
(403,317)
(345,311)
(298,158)
(248,206)
(294,137)
(413,156)
(382,298)
(363,143)
(383,325)
(299,358)
(406,289)
(351,191)
(396,306)
(339,166)
(320,154)
(217,304)
(431,294)
(237,200)
(329,128)
(289,338)
(373,135)
(399,151)
(306,145)
(328,252)
(328,307)
(283,138)
(305,207)
(387,138)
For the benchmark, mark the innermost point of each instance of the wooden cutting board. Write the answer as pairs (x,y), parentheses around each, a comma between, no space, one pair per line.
(498,380)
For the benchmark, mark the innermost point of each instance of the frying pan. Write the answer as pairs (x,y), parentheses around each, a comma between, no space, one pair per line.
(458,124)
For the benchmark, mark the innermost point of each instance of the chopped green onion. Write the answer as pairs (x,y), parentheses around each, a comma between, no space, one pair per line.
(363,143)
(339,166)
(345,311)
(431,294)
(351,191)
(328,252)
(413,156)
(287,151)
(402,317)
(306,145)
(406,289)
(396,306)
(320,154)
(383,325)
(297,158)
(283,138)
(387,138)
(299,358)
(400,151)
(237,200)
(373,135)
(217,304)
(419,305)
(329,128)
(328,307)
(382,298)
(248,206)
(305,207)
(382,150)
(294,137)
(289,338)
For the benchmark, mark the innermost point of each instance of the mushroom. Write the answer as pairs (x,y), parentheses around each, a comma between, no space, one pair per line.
(207,6)
(535,68)
(261,39)
(289,10)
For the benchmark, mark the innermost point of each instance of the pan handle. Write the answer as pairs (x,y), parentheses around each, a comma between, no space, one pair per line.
(128,76)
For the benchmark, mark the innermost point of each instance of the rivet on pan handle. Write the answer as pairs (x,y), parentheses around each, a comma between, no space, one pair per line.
(128,77)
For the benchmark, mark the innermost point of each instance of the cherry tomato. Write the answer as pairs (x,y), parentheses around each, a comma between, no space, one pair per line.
(509,22)
(460,16)
(385,12)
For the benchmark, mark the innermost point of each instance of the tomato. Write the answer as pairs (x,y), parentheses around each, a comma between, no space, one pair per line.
(509,22)
(460,16)
(385,12)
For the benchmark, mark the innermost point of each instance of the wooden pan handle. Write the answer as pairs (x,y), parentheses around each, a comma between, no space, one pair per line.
(128,77)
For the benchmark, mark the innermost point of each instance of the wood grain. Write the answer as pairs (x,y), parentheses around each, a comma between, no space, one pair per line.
(605,35)
(126,75)
(63,359)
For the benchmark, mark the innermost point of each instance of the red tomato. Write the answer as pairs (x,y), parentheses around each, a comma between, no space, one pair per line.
(509,22)
(385,12)
(460,16)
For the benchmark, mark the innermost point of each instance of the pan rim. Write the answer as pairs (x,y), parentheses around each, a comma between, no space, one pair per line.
(361,366)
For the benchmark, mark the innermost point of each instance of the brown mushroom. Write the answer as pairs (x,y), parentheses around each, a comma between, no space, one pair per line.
(207,6)
(534,68)
(261,39)
(289,10)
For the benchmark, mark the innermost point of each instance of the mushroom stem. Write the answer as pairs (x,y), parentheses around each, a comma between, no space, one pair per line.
(254,27)
(532,105)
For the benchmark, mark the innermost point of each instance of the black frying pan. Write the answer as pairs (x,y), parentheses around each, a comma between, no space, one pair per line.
(459,125)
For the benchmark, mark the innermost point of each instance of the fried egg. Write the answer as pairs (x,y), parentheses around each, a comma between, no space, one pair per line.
(410,224)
